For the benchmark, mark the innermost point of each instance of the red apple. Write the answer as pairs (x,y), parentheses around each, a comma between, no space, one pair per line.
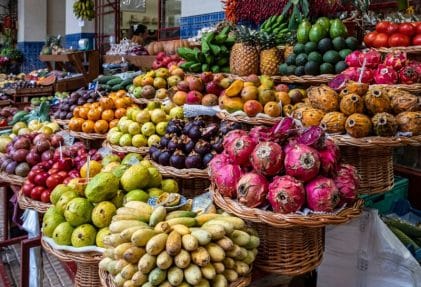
(282,88)
(53,180)
(27,188)
(47,155)
(65,164)
(34,172)
(41,178)
(36,192)
(53,171)
(62,174)
(56,140)
(67,180)
(45,196)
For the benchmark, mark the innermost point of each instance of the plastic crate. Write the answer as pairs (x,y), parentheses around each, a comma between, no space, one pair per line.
(385,202)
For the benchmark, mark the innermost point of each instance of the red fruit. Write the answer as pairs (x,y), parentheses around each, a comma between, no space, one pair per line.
(372,58)
(232,135)
(36,192)
(347,181)
(45,196)
(385,75)
(65,164)
(67,180)
(213,88)
(382,26)
(393,28)
(369,38)
(407,29)
(252,108)
(63,174)
(53,180)
(252,189)
(40,179)
(329,157)
(260,133)
(416,41)
(352,60)
(27,188)
(226,179)
(206,77)
(418,28)
(408,75)
(322,194)
(399,40)
(194,98)
(302,162)
(396,59)
(74,173)
(217,162)
(286,194)
(381,40)
(240,149)
(267,158)
(34,172)
(53,171)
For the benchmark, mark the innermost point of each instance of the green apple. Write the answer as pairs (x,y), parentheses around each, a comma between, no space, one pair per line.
(137,92)
(134,128)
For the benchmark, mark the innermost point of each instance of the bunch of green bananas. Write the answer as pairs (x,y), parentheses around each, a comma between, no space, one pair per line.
(276,25)
(84,9)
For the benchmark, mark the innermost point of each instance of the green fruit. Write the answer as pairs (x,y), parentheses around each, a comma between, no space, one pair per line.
(49,223)
(310,47)
(315,57)
(155,177)
(303,31)
(345,52)
(84,235)
(324,22)
(136,195)
(58,191)
(327,68)
(102,187)
(352,43)
(339,43)
(62,234)
(155,192)
(99,240)
(146,163)
(153,140)
(312,68)
(290,60)
(325,45)
(103,213)
(291,70)
(169,185)
(161,128)
(125,140)
(299,48)
(118,199)
(64,199)
(139,141)
(331,57)
(337,29)
(135,177)
(340,66)
(131,159)
(317,32)
(283,69)
(119,170)
(148,129)
(78,211)
(110,158)
(299,71)
(301,59)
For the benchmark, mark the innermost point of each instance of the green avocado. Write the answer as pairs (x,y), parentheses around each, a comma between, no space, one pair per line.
(331,57)
(327,68)
(312,68)
(301,59)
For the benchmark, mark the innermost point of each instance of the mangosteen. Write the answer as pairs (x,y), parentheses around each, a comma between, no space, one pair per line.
(193,160)
(173,144)
(152,149)
(65,107)
(72,101)
(90,100)
(217,145)
(69,115)
(164,141)
(173,129)
(81,102)
(177,160)
(188,145)
(155,155)
(202,147)
(207,158)
(72,107)
(187,128)
(164,158)
(63,115)
(198,121)
(210,131)
(86,96)
(194,133)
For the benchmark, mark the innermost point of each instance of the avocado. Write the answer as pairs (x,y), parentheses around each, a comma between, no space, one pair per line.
(310,47)
(283,69)
(301,59)
(291,70)
(290,59)
(340,66)
(339,43)
(299,71)
(345,52)
(315,57)
(299,48)
(331,57)
(312,68)
(352,43)
(327,68)
(325,45)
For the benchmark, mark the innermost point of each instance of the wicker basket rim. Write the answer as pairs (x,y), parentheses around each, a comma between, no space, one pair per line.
(87,136)
(224,115)
(375,141)
(126,149)
(67,256)
(26,202)
(185,173)
(11,178)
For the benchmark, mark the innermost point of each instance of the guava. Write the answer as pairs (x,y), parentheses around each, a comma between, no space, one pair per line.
(155,177)
(176,113)
(143,117)
(102,214)
(58,191)
(154,140)
(135,177)
(148,129)
(158,116)
(62,234)
(131,159)
(50,223)
(118,200)
(139,141)
(114,137)
(136,195)
(169,185)
(125,140)
(161,128)
(110,158)
(155,192)
(146,163)
(100,236)
(78,211)
(84,235)
(64,199)
(134,128)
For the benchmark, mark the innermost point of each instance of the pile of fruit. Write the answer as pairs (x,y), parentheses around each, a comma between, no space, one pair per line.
(177,249)
(84,9)
(99,117)
(82,211)
(163,60)
(39,113)
(6,80)
(190,143)
(143,127)
(37,101)
(389,34)
(286,167)
(77,98)
(321,49)
(6,115)
(22,128)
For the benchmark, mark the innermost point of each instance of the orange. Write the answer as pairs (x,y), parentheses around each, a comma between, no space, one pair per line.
(94,114)
(119,113)
(83,113)
(112,95)
(106,103)
(75,124)
(101,127)
(120,103)
(88,126)
(95,105)
(121,93)
(107,115)
(87,105)
(76,112)
(113,123)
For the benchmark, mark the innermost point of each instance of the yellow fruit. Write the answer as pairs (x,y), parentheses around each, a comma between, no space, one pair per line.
(235,88)
(94,168)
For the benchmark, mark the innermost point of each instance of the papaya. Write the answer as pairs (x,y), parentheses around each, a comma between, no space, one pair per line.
(235,88)
(231,104)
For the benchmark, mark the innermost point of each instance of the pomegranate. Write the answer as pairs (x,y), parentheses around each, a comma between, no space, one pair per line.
(226,179)
(213,88)
(240,149)
(385,75)
(232,135)
(313,136)
(252,189)
(353,59)
(302,162)
(217,162)
(322,194)
(408,75)
(267,158)
(396,60)
(260,133)
(286,194)
(194,98)
(347,181)
(329,157)
(372,57)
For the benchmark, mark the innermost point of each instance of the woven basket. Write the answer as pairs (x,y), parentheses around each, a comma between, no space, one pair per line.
(87,265)
(321,79)
(371,142)
(408,50)
(87,136)
(12,179)
(28,203)
(127,149)
(193,187)
(185,173)
(143,101)
(63,123)
(248,120)
(375,166)
(414,88)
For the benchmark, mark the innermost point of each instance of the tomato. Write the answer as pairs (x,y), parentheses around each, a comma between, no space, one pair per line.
(36,192)
(416,40)
(382,26)
(407,29)
(399,40)
(45,196)
(380,40)
(392,29)
(27,188)
(369,38)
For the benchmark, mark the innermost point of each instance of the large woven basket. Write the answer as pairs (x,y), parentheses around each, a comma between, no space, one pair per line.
(88,136)
(268,121)
(12,179)
(87,265)
(374,165)
(126,149)
(26,202)
(193,187)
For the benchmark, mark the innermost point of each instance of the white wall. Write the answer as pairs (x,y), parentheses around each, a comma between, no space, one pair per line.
(56,17)
(72,24)
(195,7)
(32,17)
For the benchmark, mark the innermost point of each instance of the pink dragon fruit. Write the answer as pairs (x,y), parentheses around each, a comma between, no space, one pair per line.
(302,162)
(252,189)
(353,59)
(231,136)
(267,158)
(240,149)
(260,133)
(313,136)
(408,75)
(217,162)
(385,75)
(286,194)
(338,83)
(396,60)
(283,129)
(329,157)
(322,194)
(347,181)
(290,144)
(354,74)
(226,179)
(372,57)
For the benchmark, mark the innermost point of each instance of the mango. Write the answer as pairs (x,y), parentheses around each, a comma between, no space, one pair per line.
(231,104)
(235,88)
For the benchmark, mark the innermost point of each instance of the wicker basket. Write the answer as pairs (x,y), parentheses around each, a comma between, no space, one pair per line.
(374,141)
(185,173)
(193,187)
(87,265)
(26,202)
(88,136)
(375,166)
(248,120)
(414,88)
(12,179)
(408,50)
(63,123)
(321,79)
(127,149)
(143,101)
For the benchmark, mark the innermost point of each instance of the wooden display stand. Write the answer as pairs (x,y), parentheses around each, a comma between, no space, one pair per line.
(142,62)
(23,96)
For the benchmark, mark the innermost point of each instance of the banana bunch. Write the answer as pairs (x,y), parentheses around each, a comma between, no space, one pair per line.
(276,25)
(84,10)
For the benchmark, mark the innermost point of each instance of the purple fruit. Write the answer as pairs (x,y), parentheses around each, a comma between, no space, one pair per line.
(187,128)
(188,146)
(164,141)
(207,158)
(155,155)
(202,147)
(177,160)
(10,168)
(195,133)
(210,131)
(217,145)
(193,160)
(164,158)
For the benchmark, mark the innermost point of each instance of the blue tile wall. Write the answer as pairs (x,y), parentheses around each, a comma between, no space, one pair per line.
(31,52)
(72,40)
(190,25)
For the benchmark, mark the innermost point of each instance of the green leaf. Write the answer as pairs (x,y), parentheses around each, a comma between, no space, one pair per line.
(286,8)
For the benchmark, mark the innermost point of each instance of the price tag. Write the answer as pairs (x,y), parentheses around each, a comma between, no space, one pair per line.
(104,151)
(93,86)
(69,140)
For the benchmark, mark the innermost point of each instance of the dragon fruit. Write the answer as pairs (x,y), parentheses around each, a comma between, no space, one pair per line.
(260,133)
(329,157)
(353,59)
(339,82)
(290,144)
(217,162)
(322,194)
(302,162)
(240,149)
(231,136)
(286,194)
(252,189)
(267,158)
(373,58)
(396,60)
(347,181)
(313,136)
(226,179)
(408,75)
(385,75)
(354,74)
(283,128)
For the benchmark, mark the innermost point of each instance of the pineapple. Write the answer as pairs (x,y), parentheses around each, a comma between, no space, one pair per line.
(244,58)
(269,54)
